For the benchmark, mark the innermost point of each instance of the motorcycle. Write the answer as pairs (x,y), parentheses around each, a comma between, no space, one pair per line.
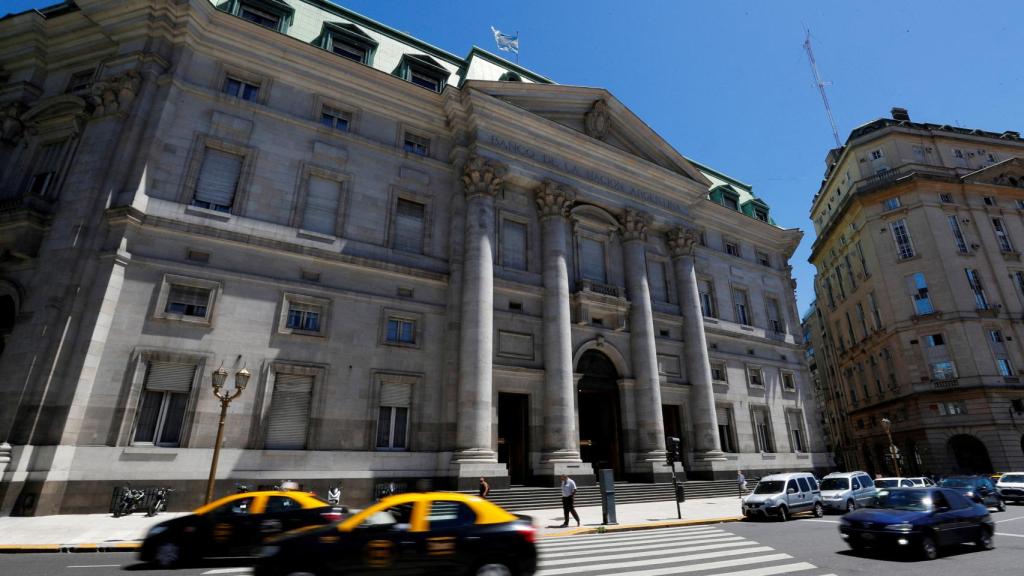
(130,501)
(158,502)
(334,495)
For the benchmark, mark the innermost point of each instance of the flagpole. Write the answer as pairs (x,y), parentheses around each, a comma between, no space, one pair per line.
(517,47)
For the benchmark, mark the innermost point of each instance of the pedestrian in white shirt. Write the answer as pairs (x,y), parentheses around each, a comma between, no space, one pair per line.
(568,494)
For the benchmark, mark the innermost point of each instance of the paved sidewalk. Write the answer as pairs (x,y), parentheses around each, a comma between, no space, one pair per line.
(71,531)
(639,516)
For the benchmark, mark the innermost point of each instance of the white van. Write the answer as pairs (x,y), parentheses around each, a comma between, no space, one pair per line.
(846,491)
(782,495)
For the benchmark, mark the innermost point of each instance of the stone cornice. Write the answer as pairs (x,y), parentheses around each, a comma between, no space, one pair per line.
(553,199)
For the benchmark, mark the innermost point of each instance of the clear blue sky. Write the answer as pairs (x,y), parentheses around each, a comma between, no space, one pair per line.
(727,83)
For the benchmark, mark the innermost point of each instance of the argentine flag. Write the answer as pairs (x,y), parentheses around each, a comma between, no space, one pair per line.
(506,42)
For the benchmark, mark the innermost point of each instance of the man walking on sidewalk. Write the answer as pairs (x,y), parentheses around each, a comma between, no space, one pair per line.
(741,482)
(568,507)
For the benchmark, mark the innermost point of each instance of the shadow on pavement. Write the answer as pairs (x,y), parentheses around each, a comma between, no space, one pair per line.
(909,554)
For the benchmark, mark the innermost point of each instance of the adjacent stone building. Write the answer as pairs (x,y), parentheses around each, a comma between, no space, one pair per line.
(920,297)
(434,267)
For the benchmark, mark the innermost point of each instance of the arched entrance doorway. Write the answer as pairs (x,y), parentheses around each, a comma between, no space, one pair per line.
(599,419)
(969,454)
(7,313)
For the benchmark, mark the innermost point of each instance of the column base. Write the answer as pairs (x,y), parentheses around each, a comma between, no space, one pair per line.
(710,456)
(551,469)
(652,467)
(469,466)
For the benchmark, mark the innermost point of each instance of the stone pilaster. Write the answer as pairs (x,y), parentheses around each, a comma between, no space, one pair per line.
(560,450)
(682,243)
(650,444)
(475,454)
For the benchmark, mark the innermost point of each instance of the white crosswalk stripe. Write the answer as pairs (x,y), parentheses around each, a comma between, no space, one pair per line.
(692,550)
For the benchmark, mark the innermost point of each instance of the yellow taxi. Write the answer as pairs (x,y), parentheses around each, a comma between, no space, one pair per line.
(417,533)
(234,526)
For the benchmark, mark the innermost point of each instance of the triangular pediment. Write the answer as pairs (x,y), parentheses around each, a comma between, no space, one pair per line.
(595,113)
(1009,172)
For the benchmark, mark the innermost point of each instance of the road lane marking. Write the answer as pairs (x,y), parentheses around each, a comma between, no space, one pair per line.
(1010,519)
(636,534)
(683,558)
(667,552)
(565,545)
(674,544)
(96,566)
(228,571)
(785,569)
(817,520)
(1013,535)
(703,566)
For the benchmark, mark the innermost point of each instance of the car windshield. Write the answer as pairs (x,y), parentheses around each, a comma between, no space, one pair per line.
(835,484)
(914,500)
(1012,478)
(956,483)
(887,483)
(769,487)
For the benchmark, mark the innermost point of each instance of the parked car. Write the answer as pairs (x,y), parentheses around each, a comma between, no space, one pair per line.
(847,491)
(979,488)
(233,526)
(921,481)
(416,533)
(894,482)
(924,519)
(782,495)
(1011,487)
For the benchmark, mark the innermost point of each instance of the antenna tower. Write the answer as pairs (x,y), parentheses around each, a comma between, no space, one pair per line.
(821,84)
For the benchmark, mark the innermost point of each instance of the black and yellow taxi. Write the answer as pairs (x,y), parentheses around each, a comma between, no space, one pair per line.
(234,526)
(418,533)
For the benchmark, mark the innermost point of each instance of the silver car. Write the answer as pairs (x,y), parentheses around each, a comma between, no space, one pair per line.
(846,491)
(782,495)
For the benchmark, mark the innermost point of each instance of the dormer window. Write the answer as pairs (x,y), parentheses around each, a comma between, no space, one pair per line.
(348,41)
(272,14)
(422,71)
(731,200)
(257,16)
(349,51)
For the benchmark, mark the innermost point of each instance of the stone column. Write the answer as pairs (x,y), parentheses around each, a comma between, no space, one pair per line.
(560,451)
(650,444)
(682,242)
(476,342)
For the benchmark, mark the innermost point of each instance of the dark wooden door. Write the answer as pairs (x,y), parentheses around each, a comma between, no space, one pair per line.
(513,435)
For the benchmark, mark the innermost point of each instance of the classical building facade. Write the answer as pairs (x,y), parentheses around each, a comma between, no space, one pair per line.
(920,296)
(435,268)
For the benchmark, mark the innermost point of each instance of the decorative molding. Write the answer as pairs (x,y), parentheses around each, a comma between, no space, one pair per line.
(482,176)
(554,199)
(683,241)
(634,225)
(115,94)
(11,125)
(597,120)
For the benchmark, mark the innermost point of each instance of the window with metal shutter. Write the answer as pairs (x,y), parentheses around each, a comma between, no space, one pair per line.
(513,245)
(409,226)
(322,202)
(170,376)
(218,178)
(592,260)
(395,394)
(722,415)
(656,279)
(288,421)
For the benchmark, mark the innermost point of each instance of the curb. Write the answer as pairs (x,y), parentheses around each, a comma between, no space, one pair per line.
(56,548)
(644,526)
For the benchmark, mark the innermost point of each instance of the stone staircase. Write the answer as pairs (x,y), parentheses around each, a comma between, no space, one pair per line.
(537,498)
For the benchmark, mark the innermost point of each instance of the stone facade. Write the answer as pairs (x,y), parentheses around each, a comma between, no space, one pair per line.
(428,263)
(920,293)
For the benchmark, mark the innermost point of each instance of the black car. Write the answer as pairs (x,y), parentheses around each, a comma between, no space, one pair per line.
(432,533)
(978,488)
(234,526)
(921,519)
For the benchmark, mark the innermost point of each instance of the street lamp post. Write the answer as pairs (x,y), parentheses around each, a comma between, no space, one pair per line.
(894,452)
(220,375)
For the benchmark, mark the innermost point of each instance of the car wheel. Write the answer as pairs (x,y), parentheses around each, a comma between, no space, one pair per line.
(168,555)
(1000,505)
(818,510)
(493,569)
(928,549)
(856,545)
(783,514)
(851,505)
(985,540)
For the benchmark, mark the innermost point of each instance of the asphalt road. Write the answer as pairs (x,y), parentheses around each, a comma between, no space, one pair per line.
(804,546)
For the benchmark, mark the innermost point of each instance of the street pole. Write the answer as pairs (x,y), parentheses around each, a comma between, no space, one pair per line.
(218,378)
(216,449)
(675,491)
(894,452)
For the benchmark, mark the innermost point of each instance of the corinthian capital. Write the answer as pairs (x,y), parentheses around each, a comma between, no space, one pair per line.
(634,225)
(682,241)
(553,199)
(482,176)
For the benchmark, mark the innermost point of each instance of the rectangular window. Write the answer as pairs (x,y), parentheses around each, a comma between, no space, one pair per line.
(764,259)
(732,248)
(952,408)
(958,153)
(958,235)
(974,280)
(788,382)
(877,154)
(891,203)
(741,305)
(428,81)
(415,144)
(943,370)
(849,328)
(592,260)
(946,198)
(919,290)
(718,372)
(288,417)
(988,200)
(731,201)
(260,17)
(335,119)
(513,244)
(1018,279)
(862,319)
(796,431)
(726,437)
(323,203)
(188,301)
(304,316)
(900,234)
(409,226)
(45,168)
(775,323)
(933,340)
(1005,369)
(1001,235)
(995,336)
(243,89)
(348,50)
(762,430)
(393,413)
(164,400)
(707,298)
(400,331)
(755,376)
(218,180)
(657,280)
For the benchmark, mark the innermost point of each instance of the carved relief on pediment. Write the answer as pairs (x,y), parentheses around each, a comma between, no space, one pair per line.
(597,120)
(1014,178)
